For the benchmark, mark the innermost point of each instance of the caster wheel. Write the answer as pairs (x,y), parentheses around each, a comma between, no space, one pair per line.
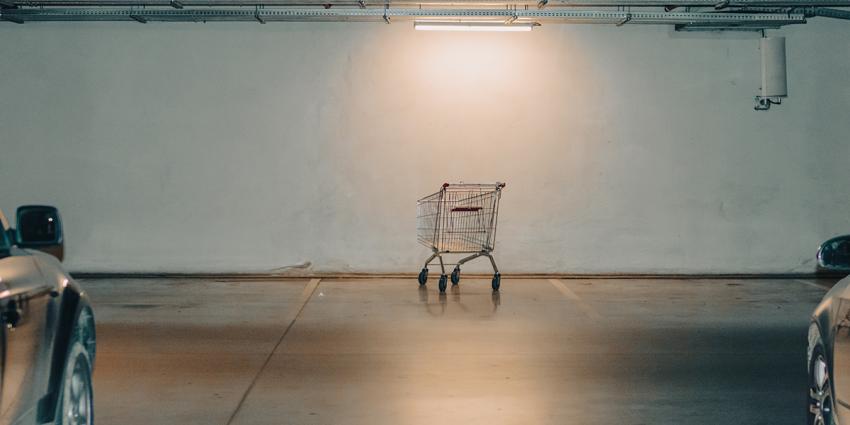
(443,283)
(497,280)
(423,276)
(455,275)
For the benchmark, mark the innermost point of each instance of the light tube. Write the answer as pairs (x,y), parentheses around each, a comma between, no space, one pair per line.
(472,26)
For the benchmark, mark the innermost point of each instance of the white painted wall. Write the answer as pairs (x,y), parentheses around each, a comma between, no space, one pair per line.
(243,147)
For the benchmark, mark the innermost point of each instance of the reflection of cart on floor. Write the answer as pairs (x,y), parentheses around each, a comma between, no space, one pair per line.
(459,219)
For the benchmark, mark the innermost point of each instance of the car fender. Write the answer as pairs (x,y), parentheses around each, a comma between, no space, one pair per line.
(74,308)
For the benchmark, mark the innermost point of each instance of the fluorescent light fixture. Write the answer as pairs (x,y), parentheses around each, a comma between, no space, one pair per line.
(472,26)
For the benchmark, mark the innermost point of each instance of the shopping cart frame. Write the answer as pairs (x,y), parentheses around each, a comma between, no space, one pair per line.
(459,219)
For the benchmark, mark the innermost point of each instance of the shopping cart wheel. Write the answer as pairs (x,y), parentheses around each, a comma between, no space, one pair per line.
(443,282)
(497,280)
(423,276)
(455,275)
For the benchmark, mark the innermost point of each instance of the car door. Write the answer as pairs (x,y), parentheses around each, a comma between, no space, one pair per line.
(25,301)
(841,356)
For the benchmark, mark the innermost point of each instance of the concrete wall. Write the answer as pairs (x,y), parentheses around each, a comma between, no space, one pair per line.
(243,147)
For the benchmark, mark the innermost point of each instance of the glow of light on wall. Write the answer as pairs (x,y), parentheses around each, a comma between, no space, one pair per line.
(472,26)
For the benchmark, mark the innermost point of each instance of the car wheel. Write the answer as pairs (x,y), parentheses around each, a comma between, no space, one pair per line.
(76,401)
(820,388)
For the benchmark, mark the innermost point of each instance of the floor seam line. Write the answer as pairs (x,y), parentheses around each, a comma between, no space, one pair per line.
(816,285)
(306,295)
(569,293)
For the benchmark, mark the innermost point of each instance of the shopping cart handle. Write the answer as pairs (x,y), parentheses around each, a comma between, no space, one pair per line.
(498,185)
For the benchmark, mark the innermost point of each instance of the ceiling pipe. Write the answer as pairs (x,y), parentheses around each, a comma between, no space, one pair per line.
(548,3)
(831,13)
(809,12)
(5,17)
(732,20)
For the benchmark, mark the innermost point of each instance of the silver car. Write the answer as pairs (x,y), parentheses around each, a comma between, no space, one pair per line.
(47,333)
(829,341)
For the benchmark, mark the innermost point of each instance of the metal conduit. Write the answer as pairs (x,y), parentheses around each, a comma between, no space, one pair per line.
(552,3)
(756,20)
(831,13)
(808,12)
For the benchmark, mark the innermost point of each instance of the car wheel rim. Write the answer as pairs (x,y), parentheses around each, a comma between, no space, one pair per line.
(77,396)
(820,393)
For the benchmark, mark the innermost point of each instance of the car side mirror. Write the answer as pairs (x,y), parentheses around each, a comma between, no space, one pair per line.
(40,227)
(834,254)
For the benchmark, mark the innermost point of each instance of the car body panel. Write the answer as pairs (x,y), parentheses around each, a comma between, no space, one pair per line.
(841,357)
(831,319)
(28,341)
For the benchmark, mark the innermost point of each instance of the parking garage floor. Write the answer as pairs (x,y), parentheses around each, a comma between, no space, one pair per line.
(383,351)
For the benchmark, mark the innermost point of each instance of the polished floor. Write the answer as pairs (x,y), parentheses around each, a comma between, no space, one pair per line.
(383,351)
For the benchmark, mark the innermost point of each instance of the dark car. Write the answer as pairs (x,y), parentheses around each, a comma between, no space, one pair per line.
(48,334)
(829,341)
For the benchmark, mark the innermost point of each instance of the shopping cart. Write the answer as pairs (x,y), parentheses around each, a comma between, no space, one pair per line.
(459,219)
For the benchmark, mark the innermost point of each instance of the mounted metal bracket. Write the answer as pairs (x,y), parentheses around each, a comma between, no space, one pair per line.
(763,103)
(257,15)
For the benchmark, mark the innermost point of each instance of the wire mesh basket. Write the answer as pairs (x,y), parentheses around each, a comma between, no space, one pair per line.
(459,218)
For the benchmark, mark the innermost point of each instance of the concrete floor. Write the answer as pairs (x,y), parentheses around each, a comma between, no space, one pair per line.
(382,351)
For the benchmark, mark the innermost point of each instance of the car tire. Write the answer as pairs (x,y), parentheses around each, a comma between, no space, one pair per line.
(75,405)
(820,401)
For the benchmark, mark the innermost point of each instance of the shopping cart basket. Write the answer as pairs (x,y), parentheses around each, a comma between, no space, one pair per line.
(459,219)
